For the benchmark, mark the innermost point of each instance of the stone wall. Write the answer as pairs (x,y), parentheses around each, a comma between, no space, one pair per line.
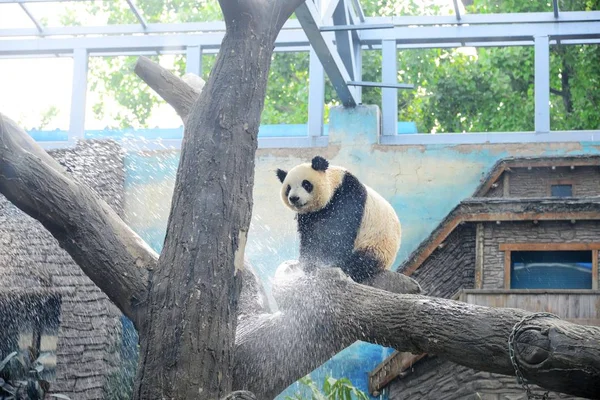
(452,267)
(31,260)
(435,379)
(536,182)
(527,232)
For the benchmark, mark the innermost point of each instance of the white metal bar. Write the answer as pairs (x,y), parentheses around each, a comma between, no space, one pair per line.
(137,14)
(78,94)
(384,22)
(132,43)
(359,10)
(344,39)
(542,84)
(478,19)
(456,10)
(316,95)
(491,137)
(309,18)
(389,97)
(484,33)
(386,85)
(37,24)
(193,60)
(42,1)
(154,28)
(422,37)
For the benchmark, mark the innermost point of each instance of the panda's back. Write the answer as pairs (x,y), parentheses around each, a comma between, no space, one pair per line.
(380,231)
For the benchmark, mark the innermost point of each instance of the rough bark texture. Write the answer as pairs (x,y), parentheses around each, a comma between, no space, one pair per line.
(109,252)
(188,342)
(321,316)
(32,264)
(187,329)
(171,88)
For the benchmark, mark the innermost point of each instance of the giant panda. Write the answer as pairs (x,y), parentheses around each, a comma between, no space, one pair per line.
(341,222)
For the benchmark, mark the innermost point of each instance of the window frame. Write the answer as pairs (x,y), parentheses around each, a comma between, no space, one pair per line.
(508,248)
(562,182)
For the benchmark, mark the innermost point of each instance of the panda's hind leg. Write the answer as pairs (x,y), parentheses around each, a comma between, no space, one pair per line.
(361,265)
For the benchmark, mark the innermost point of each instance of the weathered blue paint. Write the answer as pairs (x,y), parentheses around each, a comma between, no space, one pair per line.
(423,183)
(264,131)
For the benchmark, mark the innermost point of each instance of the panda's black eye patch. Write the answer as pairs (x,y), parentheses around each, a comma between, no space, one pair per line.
(287,191)
(307,186)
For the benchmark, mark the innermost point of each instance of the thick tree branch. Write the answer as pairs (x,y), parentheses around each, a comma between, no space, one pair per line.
(174,90)
(321,316)
(107,250)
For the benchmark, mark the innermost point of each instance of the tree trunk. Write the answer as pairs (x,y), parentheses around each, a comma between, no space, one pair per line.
(187,344)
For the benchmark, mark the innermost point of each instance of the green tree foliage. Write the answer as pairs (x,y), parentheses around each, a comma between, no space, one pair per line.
(333,389)
(456,90)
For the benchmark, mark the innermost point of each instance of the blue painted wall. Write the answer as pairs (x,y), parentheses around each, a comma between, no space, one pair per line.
(423,183)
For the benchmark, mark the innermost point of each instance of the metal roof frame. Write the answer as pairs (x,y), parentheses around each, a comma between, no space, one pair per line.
(335,36)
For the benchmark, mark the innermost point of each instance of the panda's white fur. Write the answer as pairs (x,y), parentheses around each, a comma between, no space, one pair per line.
(331,231)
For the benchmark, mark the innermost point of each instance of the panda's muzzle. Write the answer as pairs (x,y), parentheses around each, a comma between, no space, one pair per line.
(294,200)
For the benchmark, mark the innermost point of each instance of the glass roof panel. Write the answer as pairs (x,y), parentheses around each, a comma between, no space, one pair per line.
(391,8)
(82,13)
(180,10)
(12,16)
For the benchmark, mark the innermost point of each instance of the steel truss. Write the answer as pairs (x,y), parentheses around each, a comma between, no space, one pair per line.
(335,34)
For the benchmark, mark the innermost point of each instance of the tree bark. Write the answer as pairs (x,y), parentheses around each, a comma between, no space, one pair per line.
(185,308)
(115,258)
(187,344)
(171,88)
(321,316)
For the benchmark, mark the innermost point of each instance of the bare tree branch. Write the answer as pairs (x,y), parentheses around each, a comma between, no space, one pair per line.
(107,250)
(174,90)
(323,315)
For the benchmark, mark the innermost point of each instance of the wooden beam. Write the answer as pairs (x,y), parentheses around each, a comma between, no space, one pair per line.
(506,184)
(490,180)
(432,246)
(479,248)
(504,216)
(465,292)
(390,369)
(595,269)
(556,162)
(548,246)
(507,269)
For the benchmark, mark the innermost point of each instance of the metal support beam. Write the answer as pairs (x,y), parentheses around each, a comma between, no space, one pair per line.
(193,60)
(389,96)
(137,14)
(456,10)
(344,39)
(382,85)
(78,94)
(316,95)
(555,8)
(309,18)
(542,84)
(37,24)
(359,10)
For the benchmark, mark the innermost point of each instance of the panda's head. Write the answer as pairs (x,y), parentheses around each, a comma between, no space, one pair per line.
(309,187)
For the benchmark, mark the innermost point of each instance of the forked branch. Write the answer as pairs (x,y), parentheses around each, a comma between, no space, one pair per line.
(320,316)
(108,251)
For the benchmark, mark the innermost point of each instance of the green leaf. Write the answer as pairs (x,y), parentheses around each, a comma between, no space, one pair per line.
(7,360)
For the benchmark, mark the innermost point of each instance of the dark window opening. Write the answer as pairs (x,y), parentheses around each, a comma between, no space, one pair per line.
(561,190)
(551,270)
(31,325)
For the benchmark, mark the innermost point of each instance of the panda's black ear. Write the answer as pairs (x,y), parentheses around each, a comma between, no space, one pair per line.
(281,174)
(320,164)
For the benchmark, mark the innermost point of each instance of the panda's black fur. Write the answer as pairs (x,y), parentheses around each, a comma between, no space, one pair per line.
(327,236)
(335,227)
